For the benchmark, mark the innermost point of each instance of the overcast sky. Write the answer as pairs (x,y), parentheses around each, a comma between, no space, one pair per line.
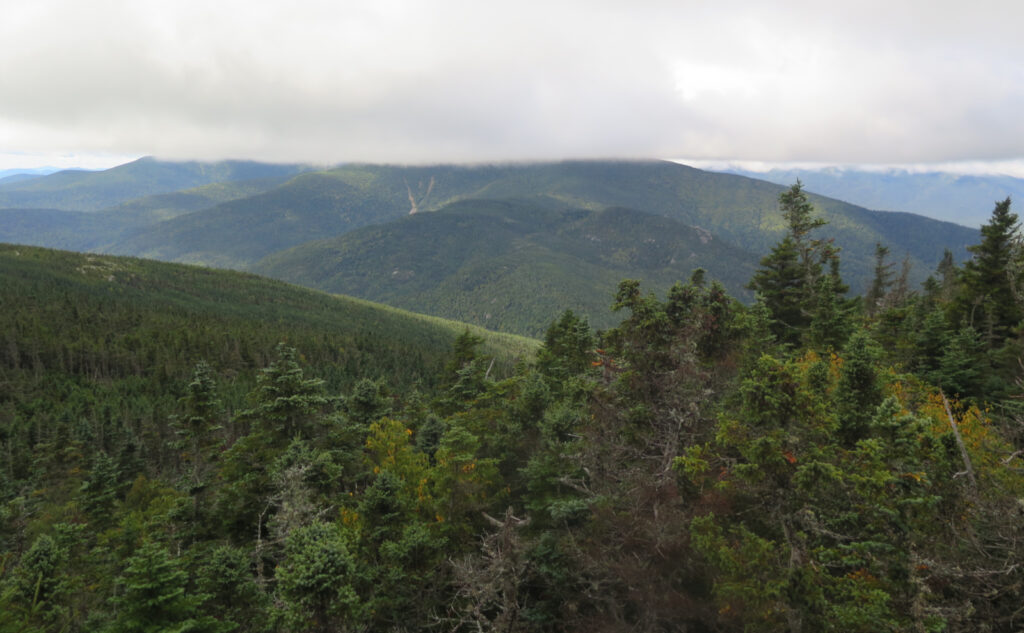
(894,82)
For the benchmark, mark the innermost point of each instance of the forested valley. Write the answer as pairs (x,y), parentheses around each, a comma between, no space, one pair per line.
(192,450)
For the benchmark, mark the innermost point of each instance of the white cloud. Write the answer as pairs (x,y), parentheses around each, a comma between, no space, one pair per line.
(406,81)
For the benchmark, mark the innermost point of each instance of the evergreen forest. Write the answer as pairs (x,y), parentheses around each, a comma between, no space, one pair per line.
(184,449)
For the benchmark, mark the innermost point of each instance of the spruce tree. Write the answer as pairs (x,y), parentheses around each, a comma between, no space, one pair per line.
(988,290)
(285,402)
(780,283)
(880,284)
(858,392)
(199,424)
(789,279)
(153,598)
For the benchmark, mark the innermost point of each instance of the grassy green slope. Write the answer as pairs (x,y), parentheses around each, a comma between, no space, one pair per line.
(95,190)
(510,265)
(70,314)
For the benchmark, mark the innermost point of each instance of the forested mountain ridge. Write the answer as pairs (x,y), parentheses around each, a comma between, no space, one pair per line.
(77,190)
(810,462)
(734,209)
(238,223)
(510,265)
(96,231)
(318,205)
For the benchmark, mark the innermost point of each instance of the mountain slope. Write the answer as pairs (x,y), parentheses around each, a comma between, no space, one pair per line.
(511,265)
(311,206)
(54,228)
(124,317)
(76,190)
(735,209)
(95,231)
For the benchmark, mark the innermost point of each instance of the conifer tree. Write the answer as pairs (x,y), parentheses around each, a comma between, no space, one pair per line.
(367,403)
(830,325)
(154,598)
(568,348)
(881,282)
(199,423)
(789,278)
(988,290)
(858,392)
(285,402)
(947,281)
(40,585)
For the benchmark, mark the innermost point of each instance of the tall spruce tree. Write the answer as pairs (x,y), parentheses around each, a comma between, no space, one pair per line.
(882,281)
(285,402)
(988,289)
(199,423)
(789,279)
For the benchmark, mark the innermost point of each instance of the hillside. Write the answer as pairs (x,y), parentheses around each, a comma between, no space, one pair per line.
(54,228)
(95,231)
(961,198)
(238,223)
(512,265)
(700,466)
(311,206)
(735,209)
(77,190)
(121,318)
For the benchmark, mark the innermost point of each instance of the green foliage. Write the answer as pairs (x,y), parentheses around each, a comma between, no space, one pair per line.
(285,404)
(988,278)
(686,469)
(801,296)
(880,283)
(316,580)
(780,284)
(568,348)
(858,391)
(153,597)
(511,265)
(224,578)
(39,588)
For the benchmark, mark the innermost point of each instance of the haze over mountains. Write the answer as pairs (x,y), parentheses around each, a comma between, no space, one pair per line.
(79,190)
(506,246)
(962,198)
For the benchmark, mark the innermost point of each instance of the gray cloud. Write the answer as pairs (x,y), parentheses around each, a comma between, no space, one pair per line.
(406,81)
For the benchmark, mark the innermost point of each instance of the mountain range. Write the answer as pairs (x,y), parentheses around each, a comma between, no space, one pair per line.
(962,198)
(496,245)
